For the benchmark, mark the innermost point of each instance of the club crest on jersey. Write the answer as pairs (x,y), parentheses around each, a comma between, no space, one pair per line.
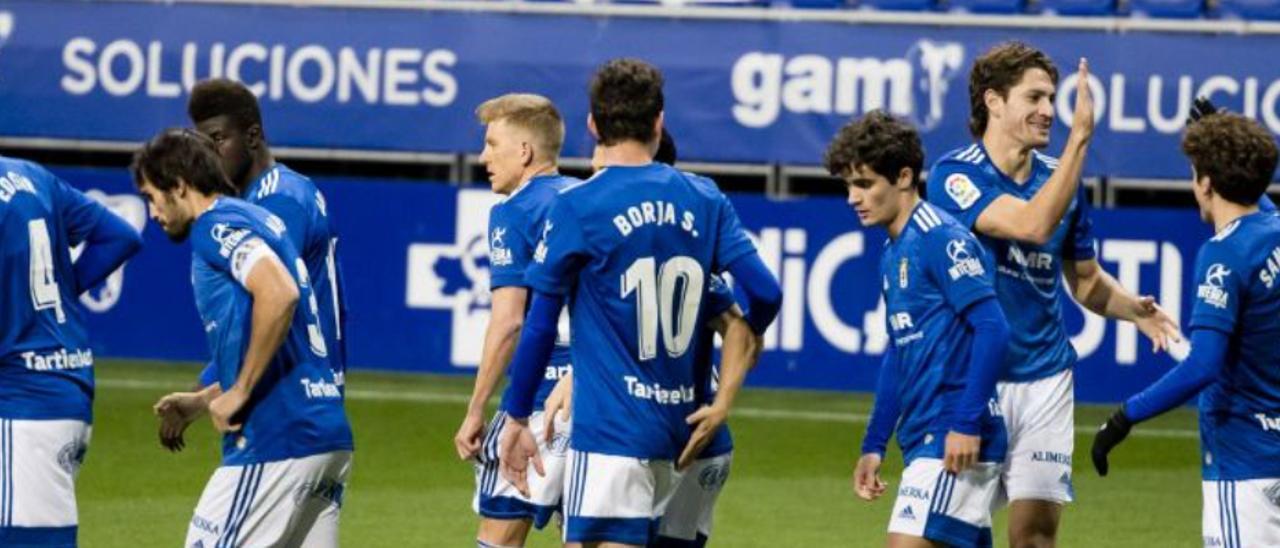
(1211,291)
(963,263)
(962,190)
(902,273)
(499,255)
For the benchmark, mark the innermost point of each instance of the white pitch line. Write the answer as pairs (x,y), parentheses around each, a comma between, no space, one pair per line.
(742,412)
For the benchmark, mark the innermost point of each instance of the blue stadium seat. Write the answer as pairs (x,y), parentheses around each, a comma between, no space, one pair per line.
(1180,9)
(988,6)
(900,5)
(1251,9)
(1080,7)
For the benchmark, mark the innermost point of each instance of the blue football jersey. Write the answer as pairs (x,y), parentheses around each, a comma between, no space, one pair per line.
(515,225)
(1028,277)
(46,365)
(632,248)
(719,300)
(1237,293)
(295,200)
(930,274)
(296,408)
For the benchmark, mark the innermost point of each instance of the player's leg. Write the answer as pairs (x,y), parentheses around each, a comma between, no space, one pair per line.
(1241,513)
(613,501)
(39,461)
(687,521)
(936,507)
(1037,476)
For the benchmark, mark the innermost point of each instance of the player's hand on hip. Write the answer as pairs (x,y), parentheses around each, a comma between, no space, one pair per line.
(1108,437)
(470,433)
(515,452)
(559,401)
(961,452)
(176,412)
(224,407)
(706,421)
(1155,323)
(866,478)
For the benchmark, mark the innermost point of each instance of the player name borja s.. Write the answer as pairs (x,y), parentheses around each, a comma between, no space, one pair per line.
(655,212)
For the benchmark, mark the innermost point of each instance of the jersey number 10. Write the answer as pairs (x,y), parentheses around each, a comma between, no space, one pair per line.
(658,302)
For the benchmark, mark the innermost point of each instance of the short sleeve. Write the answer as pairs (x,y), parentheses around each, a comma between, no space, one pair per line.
(719,296)
(732,242)
(1219,288)
(959,265)
(560,253)
(230,248)
(509,248)
(1081,245)
(962,190)
(79,213)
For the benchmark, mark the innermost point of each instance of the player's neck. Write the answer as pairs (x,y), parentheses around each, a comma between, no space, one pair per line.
(907,207)
(626,153)
(262,161)
(201,203)
(538,170)
(1226,212)
(1012,158)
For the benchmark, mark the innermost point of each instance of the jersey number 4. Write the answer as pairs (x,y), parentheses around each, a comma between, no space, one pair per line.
(667,297)
(44,286)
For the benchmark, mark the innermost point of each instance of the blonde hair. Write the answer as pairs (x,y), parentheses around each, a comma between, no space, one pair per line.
(532,113)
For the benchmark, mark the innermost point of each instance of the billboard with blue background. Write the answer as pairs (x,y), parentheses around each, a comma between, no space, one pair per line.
(416,260)
(770,91)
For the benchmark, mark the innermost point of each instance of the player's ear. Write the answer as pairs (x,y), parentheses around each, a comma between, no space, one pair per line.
(657,127)
(253,137)
(993,101)
(526,153)
(591,126)
(906,176)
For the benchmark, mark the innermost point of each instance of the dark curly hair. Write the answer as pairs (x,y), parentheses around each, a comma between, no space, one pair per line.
(181,154)
(999,69)
(879,141)
(222,97)
(626,99)
(1236,153)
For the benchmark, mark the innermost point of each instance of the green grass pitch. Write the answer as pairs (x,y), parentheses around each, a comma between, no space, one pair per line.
(789,485)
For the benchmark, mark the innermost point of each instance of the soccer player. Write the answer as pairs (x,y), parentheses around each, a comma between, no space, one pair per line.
(631,248)
(46,365)
(688,518)
(227,112)
(1234,362)
(1031,215)
(523,136)
(938,377)
(286,448)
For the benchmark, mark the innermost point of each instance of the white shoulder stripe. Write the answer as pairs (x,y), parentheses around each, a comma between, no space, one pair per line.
(920,223)
(928,211)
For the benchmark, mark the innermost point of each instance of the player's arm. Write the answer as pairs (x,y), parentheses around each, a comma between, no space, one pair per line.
(505,322)
(1034,220)
(739,354)
(109,240)
(990,337)
(884,419)
(275,296)
(1199,370)
(1095,289)
(537,341)
(764,295)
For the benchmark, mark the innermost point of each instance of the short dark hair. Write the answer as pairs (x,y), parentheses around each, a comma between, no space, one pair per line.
(180,153)
(999,69)
(879,141)
(222,97)
(1236,153)
(626,99)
